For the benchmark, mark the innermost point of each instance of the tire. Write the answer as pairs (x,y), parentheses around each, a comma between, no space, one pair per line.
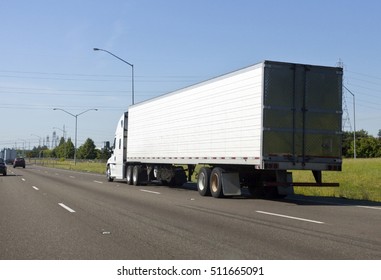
(216,182)
(203,181)
(136,171)
(129,174)
(108,174)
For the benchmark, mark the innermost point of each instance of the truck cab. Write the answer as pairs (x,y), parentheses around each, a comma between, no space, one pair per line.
(116,163)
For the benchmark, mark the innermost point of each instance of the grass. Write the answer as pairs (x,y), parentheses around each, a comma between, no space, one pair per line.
(86,166)
(360,178)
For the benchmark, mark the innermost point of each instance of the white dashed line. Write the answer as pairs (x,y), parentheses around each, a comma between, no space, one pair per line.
(34,187)
(66,207)
(23,179)
(369,207)
(290,217)
(147,191)
(98,182)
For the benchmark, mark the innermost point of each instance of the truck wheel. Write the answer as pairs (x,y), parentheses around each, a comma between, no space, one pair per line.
(108,174)
(129,175)
(216,182)
(203,181)
(136,175)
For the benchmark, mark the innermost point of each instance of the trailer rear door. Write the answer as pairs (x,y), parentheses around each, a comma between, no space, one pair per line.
(302,115)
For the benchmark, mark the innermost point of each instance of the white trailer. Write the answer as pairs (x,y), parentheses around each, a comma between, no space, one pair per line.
(247,128)
(8,155)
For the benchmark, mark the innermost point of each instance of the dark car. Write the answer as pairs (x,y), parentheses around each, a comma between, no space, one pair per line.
(19,162)
(3,167)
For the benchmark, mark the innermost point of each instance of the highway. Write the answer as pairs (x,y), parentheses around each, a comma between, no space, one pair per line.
(48,213)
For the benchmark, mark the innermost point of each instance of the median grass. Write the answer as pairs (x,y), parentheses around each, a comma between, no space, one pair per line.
(360,178)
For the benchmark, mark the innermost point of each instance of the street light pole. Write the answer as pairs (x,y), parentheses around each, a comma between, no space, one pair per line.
(76,122)
(132,66)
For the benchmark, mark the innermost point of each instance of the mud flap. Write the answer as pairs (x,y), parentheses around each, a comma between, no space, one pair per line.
(286,177)
(230,184)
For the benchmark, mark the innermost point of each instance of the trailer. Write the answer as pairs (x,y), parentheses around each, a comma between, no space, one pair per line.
(8,155)
(246,129)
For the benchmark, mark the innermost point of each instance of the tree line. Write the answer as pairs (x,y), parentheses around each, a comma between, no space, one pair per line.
(367,146)
(65,150)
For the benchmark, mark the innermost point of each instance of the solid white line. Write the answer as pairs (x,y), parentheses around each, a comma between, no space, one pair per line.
(290,217)
(66,207)
(369,207)
(98,182)
(149,191)
(34,187)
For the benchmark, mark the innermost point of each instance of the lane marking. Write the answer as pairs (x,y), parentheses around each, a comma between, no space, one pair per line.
(290,217)
(23,179)
(98,182)
(147,191)
(369,207)
(34,187)
(66,207)
(72,177)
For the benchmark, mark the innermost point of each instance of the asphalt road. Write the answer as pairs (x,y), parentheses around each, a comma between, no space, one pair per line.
(48,213)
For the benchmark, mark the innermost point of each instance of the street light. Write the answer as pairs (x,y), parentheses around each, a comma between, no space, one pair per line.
(132,66)
(76,117)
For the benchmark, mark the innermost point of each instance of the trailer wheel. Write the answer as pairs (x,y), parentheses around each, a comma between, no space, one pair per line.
(216,182)
(136,175)
(203,181)
(129,175)
(108,174)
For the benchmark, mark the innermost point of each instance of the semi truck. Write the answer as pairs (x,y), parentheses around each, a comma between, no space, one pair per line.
(245,130)
(8,155)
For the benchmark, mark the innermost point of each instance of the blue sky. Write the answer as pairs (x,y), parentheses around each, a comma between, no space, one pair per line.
(47,58)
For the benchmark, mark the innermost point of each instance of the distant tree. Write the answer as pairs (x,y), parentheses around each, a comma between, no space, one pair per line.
(87,150)
(368,147)
(347,145)
(65,149)
(60,151)
(69,148)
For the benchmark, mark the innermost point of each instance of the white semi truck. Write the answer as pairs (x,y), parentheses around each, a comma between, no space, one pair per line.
(245,129)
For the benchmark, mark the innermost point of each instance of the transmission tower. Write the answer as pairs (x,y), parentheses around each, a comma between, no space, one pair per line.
(346,121)
(347,126)
(54,139)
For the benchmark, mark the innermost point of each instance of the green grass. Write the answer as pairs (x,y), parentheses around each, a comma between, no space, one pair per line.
(87,166)
(360,178)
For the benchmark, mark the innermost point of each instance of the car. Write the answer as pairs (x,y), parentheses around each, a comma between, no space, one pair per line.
(3,167)
(19,162)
